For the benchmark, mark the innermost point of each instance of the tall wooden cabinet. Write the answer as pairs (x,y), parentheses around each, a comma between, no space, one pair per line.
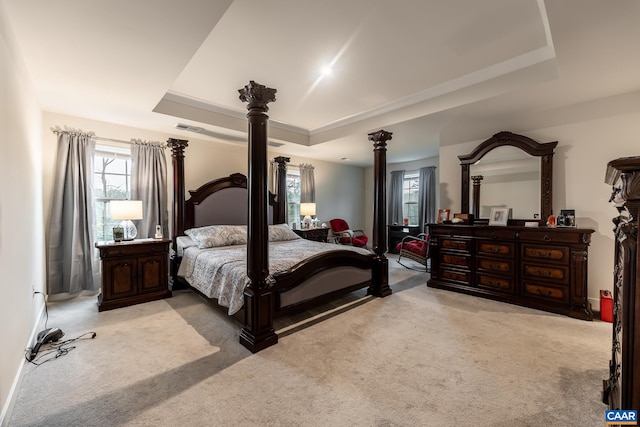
(133,272)
(622,388)
(542,268)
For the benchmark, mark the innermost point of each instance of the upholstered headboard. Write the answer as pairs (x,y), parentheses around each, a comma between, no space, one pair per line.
(223,201)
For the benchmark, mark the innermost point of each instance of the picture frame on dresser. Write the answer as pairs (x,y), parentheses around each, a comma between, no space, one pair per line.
(443,215)
(499,216)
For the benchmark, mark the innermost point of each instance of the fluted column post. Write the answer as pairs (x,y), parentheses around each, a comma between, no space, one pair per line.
(380,283)
(476,194)
(280,213)
(258,332)
(177,147)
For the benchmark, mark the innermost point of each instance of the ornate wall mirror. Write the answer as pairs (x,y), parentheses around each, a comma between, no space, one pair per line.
(509,170)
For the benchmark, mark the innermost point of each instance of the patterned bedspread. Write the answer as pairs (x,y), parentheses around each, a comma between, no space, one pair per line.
(221,272)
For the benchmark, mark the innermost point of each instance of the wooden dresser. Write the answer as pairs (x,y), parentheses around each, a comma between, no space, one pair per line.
(542,268)
(622,388)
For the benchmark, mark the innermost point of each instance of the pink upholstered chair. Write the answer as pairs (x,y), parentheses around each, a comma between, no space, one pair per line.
(346,235)
(415,248)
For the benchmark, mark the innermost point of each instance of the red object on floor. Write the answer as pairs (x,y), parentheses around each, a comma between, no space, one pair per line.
(606,306)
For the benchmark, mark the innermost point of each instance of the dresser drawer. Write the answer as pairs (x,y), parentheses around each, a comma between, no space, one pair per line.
(559,274)
(124,249)
(455,244)
(503,284)
(495,265)
(548,253)
(454,260)
(504,249)
(555,235)
(494,233)
(546,291)
(455,275)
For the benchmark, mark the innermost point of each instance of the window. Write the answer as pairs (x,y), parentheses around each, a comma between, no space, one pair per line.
(293,196)
(410,189)
(111,181)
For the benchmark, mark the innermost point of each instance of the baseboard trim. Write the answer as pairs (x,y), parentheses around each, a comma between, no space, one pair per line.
(7,410)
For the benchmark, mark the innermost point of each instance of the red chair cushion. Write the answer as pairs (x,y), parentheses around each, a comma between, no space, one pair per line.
(416,246)
(360,240)
(339,225)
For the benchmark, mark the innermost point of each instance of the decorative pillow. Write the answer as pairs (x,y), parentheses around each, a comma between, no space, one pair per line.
(281,232)
(213,236)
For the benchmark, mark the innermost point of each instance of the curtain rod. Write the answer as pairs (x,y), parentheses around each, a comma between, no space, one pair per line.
(131,142)
(113,140)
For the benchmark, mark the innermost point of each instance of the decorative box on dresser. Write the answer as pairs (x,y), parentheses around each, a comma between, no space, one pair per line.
(622,388)
(133,272)
(542,268)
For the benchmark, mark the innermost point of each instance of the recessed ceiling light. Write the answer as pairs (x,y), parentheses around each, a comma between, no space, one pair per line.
(327,70)
(346,159)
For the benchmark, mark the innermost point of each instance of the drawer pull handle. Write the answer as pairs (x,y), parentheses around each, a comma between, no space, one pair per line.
(547,238)
(544,254)
(544,273)
(546,293)
(494,235)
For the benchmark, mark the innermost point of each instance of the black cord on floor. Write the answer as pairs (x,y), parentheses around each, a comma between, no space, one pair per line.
(58,349)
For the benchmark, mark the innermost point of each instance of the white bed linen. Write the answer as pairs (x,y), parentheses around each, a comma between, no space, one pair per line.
(221,272)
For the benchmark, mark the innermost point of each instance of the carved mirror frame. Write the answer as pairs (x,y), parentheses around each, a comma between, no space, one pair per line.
(543,150)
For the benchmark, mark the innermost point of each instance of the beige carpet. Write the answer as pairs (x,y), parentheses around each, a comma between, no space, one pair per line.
(420,357)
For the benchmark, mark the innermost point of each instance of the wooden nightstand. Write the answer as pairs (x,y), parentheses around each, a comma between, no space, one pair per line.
(317,234)
(133,272)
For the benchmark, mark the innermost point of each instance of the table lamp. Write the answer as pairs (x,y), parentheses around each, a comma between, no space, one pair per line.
(127,210)
(308,210)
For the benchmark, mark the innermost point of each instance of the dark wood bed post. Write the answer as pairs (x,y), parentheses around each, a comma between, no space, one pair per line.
(258,332)
(280,210)
(177,147)
(380,283)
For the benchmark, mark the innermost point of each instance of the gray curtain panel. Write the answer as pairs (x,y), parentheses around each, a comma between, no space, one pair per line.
(72,257)
(149,184)
(307,184)
(395,197)
(427,196)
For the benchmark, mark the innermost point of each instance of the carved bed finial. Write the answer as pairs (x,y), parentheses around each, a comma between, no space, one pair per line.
(380,138)
(177,146)
(257,95)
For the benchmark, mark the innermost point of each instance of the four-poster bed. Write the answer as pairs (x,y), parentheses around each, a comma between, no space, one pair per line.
(245,201)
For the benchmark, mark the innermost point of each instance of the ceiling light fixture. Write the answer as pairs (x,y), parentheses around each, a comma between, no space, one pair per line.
(346,159)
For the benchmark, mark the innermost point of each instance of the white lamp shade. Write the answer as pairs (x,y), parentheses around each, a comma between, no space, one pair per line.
(126,209)
(307,209)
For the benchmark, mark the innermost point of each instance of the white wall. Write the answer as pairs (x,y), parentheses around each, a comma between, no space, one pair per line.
(583,151)
(21,220)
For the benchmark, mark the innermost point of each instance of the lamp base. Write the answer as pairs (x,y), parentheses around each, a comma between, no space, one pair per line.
(130,230)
